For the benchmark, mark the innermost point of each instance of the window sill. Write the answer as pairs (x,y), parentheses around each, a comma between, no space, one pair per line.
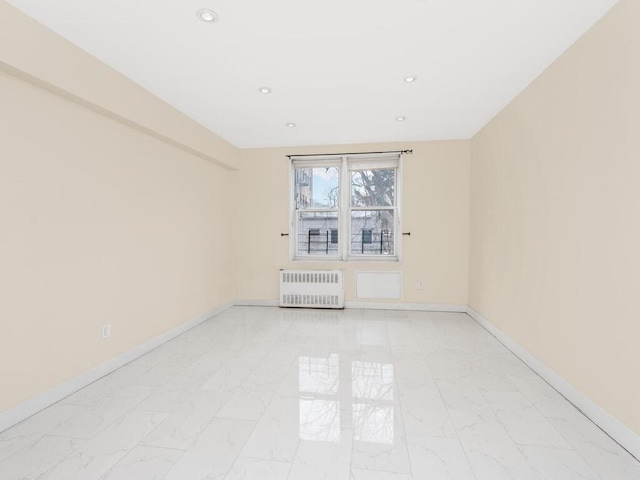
(354,259)
(374,259)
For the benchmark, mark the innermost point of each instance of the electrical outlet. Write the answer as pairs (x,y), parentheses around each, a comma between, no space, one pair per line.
(106,330)
(419,285)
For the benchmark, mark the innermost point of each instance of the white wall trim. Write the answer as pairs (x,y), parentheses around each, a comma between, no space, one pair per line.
(622,434)
(39,402)
(256,303)
(613,427)
(420,307)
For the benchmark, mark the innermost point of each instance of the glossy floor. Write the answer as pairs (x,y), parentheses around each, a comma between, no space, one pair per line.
(270,394)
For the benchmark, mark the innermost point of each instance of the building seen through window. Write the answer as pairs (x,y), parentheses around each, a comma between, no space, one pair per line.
(355,193)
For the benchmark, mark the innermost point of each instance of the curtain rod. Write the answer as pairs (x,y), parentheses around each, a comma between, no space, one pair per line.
(408,152)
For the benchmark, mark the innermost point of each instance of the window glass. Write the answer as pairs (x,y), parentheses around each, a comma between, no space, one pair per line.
(314,233)
(373,188)
(317,187)
(372,232)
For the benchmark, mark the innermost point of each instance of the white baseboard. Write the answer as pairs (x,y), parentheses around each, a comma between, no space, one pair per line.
(622,434)
(256,303)
(47,398)
(613,427)
(421,307)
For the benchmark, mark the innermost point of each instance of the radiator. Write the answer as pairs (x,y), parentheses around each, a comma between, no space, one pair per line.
(312,288)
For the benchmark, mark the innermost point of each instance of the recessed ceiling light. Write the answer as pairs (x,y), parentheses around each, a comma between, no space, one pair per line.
(265,90)
(207,15)
(410,79)
(401,118)
(291,125)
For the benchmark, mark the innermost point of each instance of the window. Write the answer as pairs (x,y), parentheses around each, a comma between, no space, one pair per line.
(356,194)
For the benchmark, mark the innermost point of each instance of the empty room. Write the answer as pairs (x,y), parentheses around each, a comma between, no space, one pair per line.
(339,240)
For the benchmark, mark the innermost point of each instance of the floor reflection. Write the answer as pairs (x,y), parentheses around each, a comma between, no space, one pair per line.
(321,420)
(319,375)
(372,380)
(373,423)
(370,394)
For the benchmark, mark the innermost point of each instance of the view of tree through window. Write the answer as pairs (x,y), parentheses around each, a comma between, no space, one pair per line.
(373,188)
(372,211)
(367,208)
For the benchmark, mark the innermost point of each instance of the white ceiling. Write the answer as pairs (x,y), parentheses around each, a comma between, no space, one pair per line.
(336,67)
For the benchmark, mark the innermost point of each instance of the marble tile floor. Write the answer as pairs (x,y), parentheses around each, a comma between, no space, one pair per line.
(272,394)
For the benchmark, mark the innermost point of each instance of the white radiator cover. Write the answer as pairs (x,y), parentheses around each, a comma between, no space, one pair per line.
(312,288)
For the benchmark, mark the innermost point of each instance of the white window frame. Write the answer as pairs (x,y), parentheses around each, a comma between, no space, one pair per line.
(364,161)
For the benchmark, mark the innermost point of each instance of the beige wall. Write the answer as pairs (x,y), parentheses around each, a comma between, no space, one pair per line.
(436,212)
(555,204)
(100,224)
(35,53)
(109,211)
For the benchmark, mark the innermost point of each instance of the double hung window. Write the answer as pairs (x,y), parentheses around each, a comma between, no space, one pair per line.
(345,207)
